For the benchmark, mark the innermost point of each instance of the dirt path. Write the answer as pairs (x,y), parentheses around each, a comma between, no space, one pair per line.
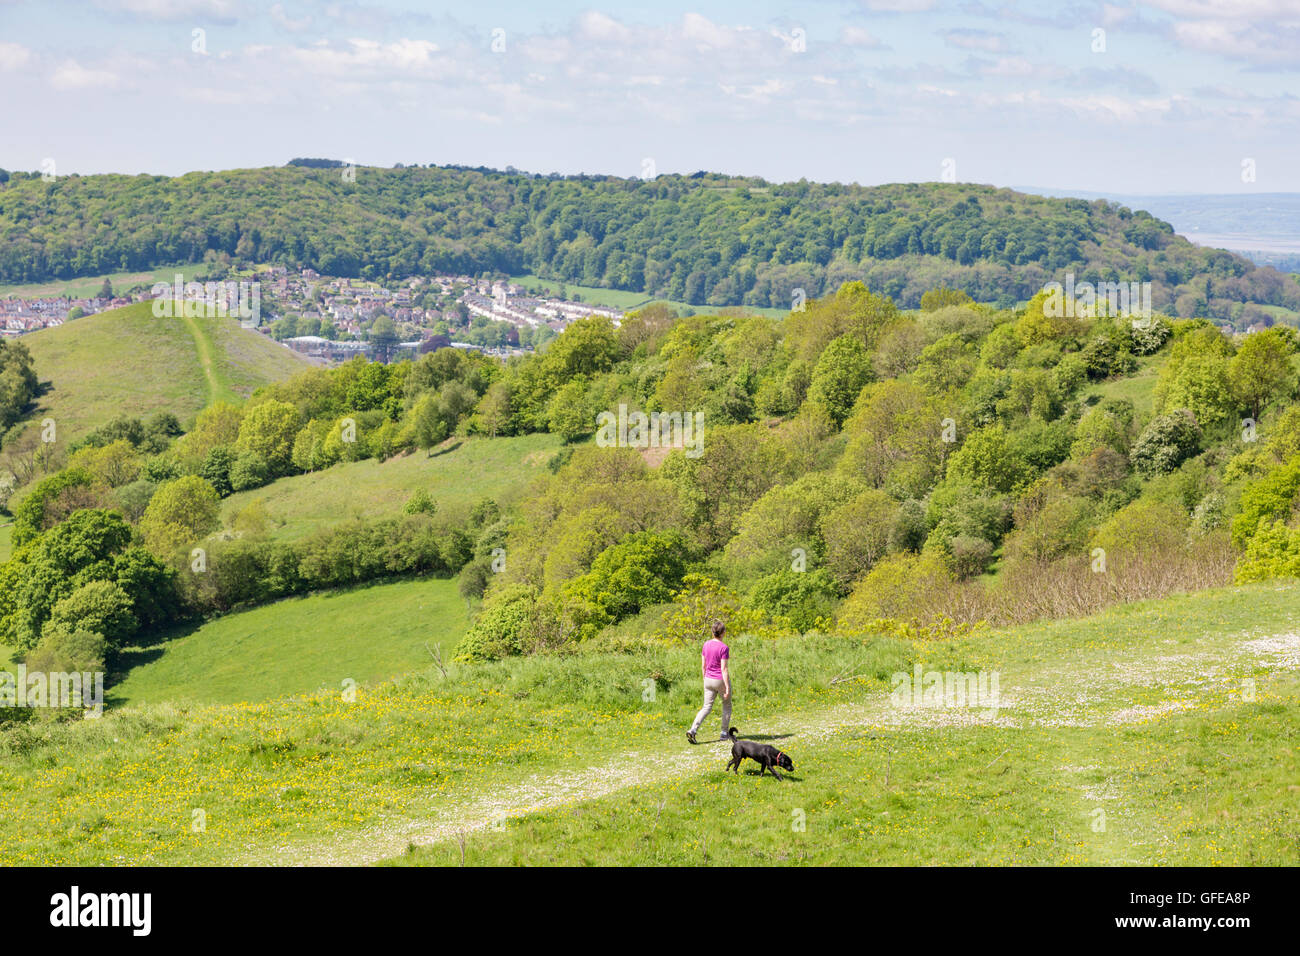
(1087,692)
(203,349)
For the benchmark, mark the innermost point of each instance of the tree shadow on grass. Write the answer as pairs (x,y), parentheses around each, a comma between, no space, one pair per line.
(446,450)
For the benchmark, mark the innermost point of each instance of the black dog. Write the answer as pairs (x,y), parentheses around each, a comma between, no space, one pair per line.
(765,755)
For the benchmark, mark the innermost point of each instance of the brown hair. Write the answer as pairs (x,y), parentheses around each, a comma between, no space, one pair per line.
(718,628)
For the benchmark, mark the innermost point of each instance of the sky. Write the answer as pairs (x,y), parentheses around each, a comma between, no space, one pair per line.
(1166,96)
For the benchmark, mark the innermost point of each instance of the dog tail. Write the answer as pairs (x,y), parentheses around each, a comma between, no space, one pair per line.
(731,732)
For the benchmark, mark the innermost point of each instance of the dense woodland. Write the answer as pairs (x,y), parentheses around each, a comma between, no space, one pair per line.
(705,239)
(860,465)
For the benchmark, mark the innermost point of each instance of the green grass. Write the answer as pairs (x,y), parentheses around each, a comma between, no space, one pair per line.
(1282,314)
(87,287)
(1203,773)
(127,362)
(299,645)
(321,777)
(629,301)
(1138,388)
(1139,711)
(1188,791)
(470,469)
(6,540)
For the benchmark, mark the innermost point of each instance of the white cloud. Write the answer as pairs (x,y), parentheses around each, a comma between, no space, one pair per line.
(986,41)
(1230,9)
(364,57)
(282,19)
(15,57)
(860,38)
(222,11)
(71,75)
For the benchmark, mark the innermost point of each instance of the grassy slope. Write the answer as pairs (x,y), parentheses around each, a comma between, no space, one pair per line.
(456,478)
(1138,711)
(1159,733)
(299,645)
(89,287)
(128,362)
(629,301)
(1138,388)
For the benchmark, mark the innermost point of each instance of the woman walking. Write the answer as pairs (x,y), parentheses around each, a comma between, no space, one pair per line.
(717,680)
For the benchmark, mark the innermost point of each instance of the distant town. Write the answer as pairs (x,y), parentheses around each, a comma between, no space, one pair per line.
(333,319)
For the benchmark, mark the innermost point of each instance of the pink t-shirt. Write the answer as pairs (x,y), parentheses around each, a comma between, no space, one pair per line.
(715,652)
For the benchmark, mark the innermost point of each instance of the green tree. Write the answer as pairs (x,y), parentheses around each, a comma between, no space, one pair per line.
(941,297)
(384,338)
(570,417)
(839,376)
(1166,442)
(268,430)
(98,606)
(180,513)
(1261,370)
(989,459)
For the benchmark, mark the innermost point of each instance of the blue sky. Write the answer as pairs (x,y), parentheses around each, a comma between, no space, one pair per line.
(1165,96)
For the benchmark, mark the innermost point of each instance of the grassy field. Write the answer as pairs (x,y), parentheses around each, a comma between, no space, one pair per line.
(628,301)
(1152,733)
(1138,388)
(299,645)
(468,470)
(1162,733)
(87,287)
(128,362)
(1180,792)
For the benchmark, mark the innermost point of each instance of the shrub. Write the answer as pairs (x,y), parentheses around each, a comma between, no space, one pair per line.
(910,527)
(701,601)
(1269,499)
(1165,443)
(249,470)
(1144,525)
(901,586)
(970,555)
(640,570)
(99,606)
(66,650)
(799,600)
(1273,551)
(504,628)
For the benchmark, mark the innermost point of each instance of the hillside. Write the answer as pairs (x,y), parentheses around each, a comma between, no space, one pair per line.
(704,239)
(297,646)
(1156,733)
(466,471)
(127,362)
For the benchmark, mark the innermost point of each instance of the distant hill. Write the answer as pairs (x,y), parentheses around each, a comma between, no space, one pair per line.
(1263,227)
(704,239)
(127,362)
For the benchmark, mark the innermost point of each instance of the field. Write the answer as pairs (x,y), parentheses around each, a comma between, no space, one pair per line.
(466,471)
(87,287)
(299,645)
(628,301)
(1138,388)
(1162,732)
(127,362)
